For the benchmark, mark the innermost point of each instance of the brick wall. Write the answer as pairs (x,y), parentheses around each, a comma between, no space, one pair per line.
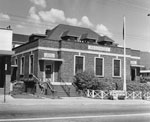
(67,67)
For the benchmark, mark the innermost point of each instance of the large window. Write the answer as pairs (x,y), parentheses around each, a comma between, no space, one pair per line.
(22,65)
(99,67)
(31,64)
(116,68)
(79,64)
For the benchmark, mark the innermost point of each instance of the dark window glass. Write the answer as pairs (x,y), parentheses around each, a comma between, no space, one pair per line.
(22,65)
(31,63)
(79,64)
(99,66)
(116,67)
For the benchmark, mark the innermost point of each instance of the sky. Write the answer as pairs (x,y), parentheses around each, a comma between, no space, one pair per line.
(102,16)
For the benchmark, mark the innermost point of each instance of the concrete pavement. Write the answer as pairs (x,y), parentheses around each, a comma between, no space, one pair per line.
(66,101)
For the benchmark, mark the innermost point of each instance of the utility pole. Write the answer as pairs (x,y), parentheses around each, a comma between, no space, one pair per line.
(124,41)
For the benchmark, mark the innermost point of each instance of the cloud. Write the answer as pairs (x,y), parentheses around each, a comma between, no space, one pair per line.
(72,21)
(102,30)
(41,3)
(85,21)
(33,17)
(4,17)
(20,26)
(53,15)
(57,16)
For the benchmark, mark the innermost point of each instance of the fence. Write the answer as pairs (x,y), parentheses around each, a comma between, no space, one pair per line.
(98,94)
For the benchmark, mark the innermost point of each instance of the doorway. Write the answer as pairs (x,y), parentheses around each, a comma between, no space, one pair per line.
(2,71)
(133,74)
(49,73)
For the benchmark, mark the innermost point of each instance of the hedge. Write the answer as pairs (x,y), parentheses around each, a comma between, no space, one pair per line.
(87,80)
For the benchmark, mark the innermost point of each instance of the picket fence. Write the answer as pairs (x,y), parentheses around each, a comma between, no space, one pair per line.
(98,94)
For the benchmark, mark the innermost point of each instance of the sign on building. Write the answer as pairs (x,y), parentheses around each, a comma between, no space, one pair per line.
(49,55)
(91,47)
(133,62)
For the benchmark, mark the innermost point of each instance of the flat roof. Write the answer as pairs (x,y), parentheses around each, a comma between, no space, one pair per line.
(4,52)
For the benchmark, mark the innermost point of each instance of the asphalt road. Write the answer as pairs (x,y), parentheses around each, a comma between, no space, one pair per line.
(75,113)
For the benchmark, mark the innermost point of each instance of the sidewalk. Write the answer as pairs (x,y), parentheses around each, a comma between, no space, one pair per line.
(67,101)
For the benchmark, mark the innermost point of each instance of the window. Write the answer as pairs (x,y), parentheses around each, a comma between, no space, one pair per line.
(116,68)
(16,61)
(31,64)
(99,67)
(79,64)
(22,65)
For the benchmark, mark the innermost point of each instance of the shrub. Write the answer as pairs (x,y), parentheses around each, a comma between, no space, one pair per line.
(144,87)
(136,86)
(83,79)
(18,87)
(121,97)
(118,84)
(87,80)
(105,85)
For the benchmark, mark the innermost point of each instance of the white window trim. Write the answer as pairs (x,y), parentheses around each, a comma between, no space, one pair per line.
(30,63)
(95,66)
(16,59)
(21,71)
(75,62)
(113,68)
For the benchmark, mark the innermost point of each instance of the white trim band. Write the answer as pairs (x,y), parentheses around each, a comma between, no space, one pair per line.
(77,51)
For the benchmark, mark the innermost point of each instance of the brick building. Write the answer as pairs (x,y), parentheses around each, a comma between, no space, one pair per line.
(64,50)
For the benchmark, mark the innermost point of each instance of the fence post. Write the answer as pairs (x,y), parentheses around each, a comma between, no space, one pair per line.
(102,94)
(133,95)
(93,94)
(140,95)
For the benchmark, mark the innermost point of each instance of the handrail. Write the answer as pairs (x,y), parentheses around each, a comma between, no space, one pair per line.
(65,87)
(50,85)
(41,83)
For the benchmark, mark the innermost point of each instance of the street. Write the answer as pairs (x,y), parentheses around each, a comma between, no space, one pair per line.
(76,112)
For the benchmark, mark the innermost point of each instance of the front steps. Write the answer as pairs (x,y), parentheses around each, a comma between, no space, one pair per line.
(61,91)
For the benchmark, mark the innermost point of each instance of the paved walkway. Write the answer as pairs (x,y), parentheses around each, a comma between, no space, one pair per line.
(66,101)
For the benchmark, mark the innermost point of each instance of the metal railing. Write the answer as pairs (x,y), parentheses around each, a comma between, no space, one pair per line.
(42,85)
(65,87)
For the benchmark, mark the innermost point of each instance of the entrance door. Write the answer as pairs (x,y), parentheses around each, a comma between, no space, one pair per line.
(133,74)
(49,73)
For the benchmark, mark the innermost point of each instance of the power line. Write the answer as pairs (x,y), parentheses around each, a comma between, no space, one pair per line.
(130,4)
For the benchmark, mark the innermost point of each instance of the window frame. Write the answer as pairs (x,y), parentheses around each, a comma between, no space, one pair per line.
(16,61)
(21,68)
(113,68)
(102,66)
(75,62)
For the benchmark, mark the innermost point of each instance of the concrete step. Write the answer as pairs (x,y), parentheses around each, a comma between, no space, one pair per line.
(62,93)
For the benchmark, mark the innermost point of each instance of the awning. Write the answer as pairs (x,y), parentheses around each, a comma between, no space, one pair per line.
(14,65)
(145,71)
(51,59)
(136,65)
